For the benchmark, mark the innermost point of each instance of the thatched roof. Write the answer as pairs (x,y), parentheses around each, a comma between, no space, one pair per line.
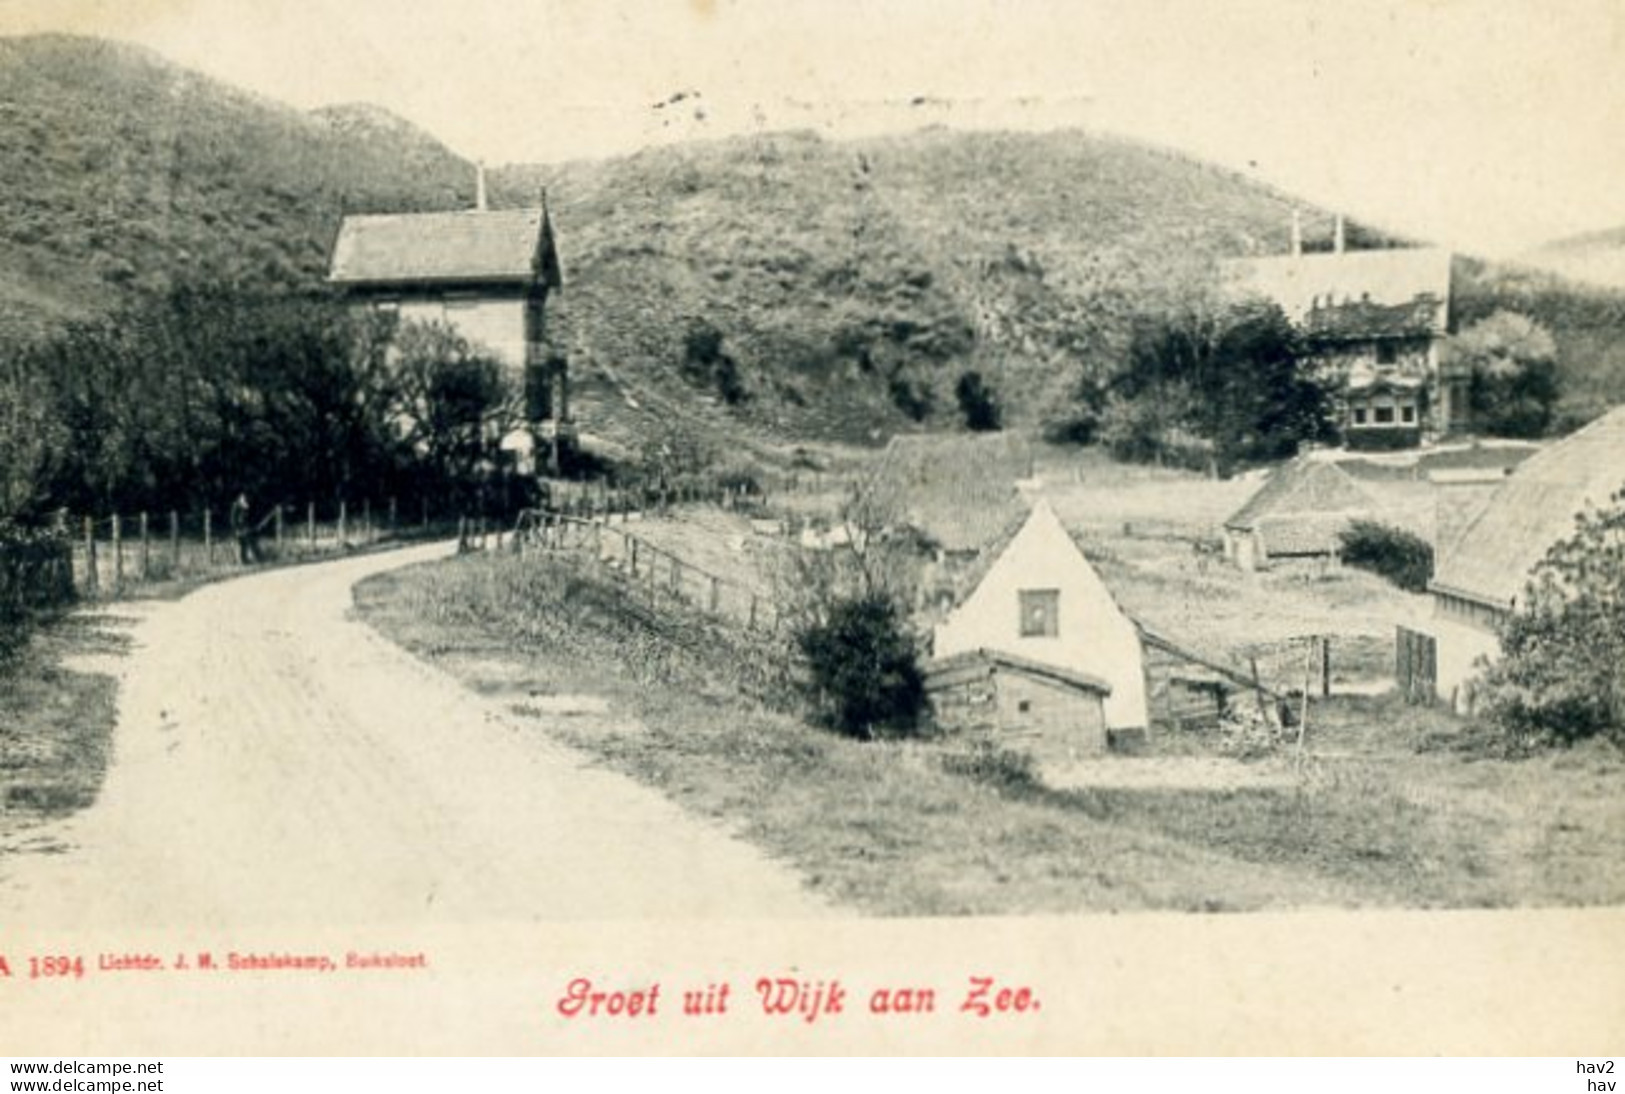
(1354,295)
(1534,509)
(507,246)
(1302,507)
(1304,485)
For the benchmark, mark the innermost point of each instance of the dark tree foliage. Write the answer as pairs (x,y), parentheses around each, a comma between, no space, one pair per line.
(865,667)
(1561,675)
(912,397)
(1232,375)
(184,401)
(1511,365)
(706,362)
(1402,557)
(977,403)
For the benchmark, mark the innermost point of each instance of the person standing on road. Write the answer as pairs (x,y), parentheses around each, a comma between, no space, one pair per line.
(248,550)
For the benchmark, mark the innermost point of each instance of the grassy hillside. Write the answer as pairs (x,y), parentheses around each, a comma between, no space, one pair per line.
(803,287)
(853,282)
(120,171)
(1594,257)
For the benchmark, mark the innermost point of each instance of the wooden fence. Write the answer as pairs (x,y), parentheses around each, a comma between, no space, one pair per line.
(115,555)
(651,571)
(1416,666)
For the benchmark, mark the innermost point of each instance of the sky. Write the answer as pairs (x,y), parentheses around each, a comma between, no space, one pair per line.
(1484,125)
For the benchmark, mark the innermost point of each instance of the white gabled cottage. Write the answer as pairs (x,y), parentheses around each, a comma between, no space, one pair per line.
(1043,604)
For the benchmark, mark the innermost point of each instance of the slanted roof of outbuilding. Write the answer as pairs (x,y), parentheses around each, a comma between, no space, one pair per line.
(946,671)
(1534,509)
(1303,488)
(474,246)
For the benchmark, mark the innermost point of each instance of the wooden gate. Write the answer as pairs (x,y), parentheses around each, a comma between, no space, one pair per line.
(1416,665)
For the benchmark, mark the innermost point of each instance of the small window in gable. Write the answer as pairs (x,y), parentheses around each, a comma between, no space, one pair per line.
(1040,613)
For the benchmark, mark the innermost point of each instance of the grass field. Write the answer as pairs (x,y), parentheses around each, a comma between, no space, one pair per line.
(1394,806)
(56,720)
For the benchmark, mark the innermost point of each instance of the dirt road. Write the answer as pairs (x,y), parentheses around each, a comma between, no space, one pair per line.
(278,762)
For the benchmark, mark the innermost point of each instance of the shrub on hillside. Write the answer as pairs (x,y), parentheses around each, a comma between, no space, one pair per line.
(865,671)
(977,403)
(1561,676)
(1400,556)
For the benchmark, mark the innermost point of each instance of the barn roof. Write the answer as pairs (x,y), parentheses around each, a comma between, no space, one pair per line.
(1535,508)
(472,246)
(1349,295)
(945,671)
(1302,488)
(1303,509)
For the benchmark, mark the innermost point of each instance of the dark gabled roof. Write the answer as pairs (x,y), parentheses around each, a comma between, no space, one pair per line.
(948,670)
(506,246)
(1533,510)
(1354,295)
(1301,489)
(1361,320)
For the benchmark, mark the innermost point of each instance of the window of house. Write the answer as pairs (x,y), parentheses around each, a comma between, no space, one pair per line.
(1359,415)
(1024,706)
(1384,415)
(1407,414)
(1387,353)
(1040,613)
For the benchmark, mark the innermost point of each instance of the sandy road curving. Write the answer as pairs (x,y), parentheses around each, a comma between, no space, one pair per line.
(278,762)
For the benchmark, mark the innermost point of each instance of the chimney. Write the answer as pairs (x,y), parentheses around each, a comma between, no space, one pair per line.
(1297,233)
(1337,235)
(479,186)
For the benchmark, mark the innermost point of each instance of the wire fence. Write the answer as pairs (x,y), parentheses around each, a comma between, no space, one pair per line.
(651,572)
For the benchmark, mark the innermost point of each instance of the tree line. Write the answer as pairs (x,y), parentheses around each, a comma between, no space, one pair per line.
(185,401)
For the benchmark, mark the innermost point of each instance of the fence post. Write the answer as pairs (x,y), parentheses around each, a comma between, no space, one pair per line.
(276,520)
(146,546)
(92,578)
(208,537)
(118,555)
(366,520)
(1325,666)
(310,522)
(752,623)
(716,595)
(342,522)
(175,541)
(634,562)
(392,516)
